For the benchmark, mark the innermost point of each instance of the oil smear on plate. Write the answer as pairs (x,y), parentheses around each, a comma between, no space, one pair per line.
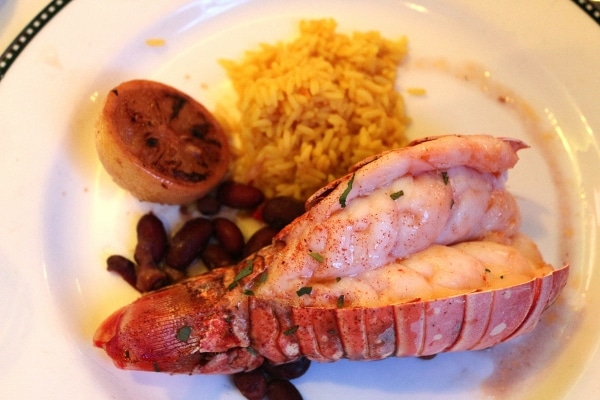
(517,363)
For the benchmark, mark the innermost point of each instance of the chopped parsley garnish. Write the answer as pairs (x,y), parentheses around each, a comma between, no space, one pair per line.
(183,334)
(337,279)
(397,195)
(291,331)
(346,192)
(304,290)
(248,292)
(244,272)
(445,177)
(316,256)
(251,350)
(488,270)
(340,301)
(262,278)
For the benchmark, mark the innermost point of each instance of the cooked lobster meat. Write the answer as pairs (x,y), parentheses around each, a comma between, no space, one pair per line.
(416,251)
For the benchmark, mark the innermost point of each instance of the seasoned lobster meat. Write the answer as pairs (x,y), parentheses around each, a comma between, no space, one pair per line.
(414,252)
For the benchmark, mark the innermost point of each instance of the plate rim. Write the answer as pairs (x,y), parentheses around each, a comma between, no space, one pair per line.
(565,3)
(28,33)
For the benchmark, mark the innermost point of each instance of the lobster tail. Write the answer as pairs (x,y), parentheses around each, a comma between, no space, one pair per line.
(417,251)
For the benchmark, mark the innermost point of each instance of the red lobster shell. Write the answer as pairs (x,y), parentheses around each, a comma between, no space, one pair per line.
(222,322)
(233,332)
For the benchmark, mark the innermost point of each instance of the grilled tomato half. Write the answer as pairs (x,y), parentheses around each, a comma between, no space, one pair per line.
(160,144)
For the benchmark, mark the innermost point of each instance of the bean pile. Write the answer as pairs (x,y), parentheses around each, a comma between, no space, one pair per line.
(161,259)
(272,381)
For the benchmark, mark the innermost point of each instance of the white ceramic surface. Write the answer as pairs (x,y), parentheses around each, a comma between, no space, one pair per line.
(61,214)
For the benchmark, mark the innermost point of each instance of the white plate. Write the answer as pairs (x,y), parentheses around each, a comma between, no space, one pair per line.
(61,214)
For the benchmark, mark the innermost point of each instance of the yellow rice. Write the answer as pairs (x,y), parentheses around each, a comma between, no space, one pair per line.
(312,107)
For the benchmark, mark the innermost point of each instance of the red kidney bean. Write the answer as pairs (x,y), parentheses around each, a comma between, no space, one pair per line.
(291,370)
(173,275)
(188,242)
(238,195)
(281,389)
(122,266)
(229,235)
(280,211)
(149,276)
(215,256)
(261,238)
(152,236)
(208,205)
(252,384)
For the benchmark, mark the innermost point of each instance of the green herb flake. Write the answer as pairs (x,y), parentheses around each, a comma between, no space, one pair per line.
(445,177)
(488,270)
(183,334)
(316,256)
(248,292)
(304,290)
(338,279)
(244,272)
(252,351)
(262,278)
(340,301)
(291,331)
(347,191)
(501,276)
(397,195)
